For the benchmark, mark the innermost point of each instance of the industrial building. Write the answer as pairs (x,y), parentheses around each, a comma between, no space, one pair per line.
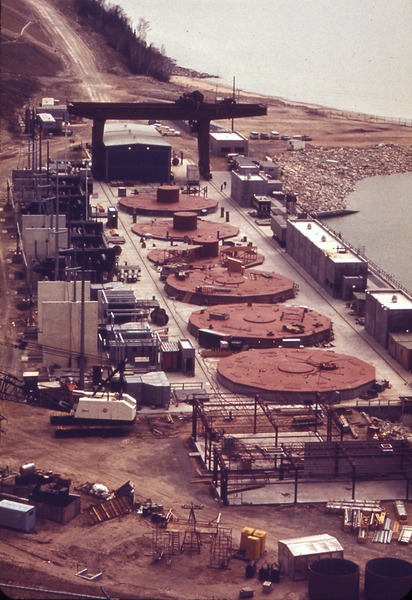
(296,554)
(326,258)
(135,152)
(245,183)
(228,142)
(388,319)
(259,326)
(58,112)
(61,311)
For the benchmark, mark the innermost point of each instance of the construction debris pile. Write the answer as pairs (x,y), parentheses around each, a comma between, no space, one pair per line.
(369,520)
(392,431)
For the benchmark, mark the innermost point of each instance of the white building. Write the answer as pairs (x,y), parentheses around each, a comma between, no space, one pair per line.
(59,322)
(228,142)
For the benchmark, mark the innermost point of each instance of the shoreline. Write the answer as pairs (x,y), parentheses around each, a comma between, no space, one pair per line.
(183,74)
(323,176)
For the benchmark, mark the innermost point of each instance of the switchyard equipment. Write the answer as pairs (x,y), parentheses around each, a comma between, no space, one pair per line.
(122,305)
(135,342)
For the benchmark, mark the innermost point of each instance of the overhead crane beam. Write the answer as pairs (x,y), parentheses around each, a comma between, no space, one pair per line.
(184,109)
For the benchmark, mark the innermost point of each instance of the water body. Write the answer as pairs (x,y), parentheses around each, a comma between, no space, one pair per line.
(383,226)
(349,55)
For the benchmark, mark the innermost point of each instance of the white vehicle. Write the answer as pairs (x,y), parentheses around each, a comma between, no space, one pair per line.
(275,135)
(254,135)
(102,413)
(108,407)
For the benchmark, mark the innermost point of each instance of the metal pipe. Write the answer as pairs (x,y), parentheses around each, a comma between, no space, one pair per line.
(48,591)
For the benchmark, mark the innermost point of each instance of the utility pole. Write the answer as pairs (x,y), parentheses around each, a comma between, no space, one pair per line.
(82,320)
(56,252)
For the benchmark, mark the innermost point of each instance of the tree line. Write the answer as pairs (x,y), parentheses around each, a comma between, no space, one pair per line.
(115,26)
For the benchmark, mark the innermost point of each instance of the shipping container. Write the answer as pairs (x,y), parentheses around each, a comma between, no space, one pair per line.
(16,515)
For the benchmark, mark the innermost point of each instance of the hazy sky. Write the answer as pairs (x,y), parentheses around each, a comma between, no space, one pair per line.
(356,51)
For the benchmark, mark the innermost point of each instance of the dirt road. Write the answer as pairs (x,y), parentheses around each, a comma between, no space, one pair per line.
(79,60)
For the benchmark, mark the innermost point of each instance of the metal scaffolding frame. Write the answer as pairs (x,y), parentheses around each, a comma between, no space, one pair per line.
(189,536)
(242,442)
(222,415)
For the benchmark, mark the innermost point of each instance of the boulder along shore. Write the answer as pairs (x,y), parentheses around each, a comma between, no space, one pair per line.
(345,148)
(322,178)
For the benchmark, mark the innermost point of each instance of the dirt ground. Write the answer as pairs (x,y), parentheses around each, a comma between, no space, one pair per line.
(159,466)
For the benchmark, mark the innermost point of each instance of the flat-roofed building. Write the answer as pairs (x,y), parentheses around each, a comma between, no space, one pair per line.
(228,142)
(388,312)
(245,185)
(326,258)
(47,123)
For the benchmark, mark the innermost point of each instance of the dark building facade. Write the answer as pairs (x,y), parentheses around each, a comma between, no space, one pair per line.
(136,152)
(387,311)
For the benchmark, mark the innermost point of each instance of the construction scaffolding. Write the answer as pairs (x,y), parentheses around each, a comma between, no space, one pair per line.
(248,444)
(177,537)
(247,254)
(221,416)
(183,253)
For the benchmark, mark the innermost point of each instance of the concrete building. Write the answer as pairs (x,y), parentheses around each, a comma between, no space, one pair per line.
(41,238)
(59,323)
(228,142)
(388,312)
(326,258)
(244,185)
(270,169)
(136,152)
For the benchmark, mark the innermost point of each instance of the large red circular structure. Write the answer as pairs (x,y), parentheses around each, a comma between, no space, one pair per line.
(193,229)
(217,285)
(165,202)
(296,374)
(261,325)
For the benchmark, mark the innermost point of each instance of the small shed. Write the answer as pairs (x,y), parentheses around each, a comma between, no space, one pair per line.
(16,515)
(296,554)
(295,145)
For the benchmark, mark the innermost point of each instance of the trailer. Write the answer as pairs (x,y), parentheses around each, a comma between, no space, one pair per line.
(192,175)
